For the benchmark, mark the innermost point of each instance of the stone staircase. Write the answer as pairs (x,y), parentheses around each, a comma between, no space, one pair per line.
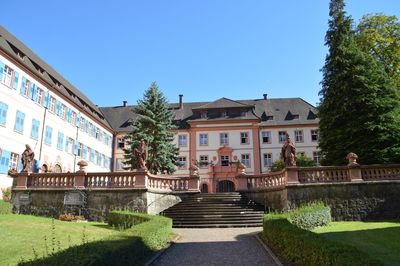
(216,210)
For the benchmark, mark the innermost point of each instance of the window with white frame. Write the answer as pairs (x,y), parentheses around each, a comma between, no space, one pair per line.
(244,137)
(223,138)
(224,160)
(14,160)
(267,159)
(7,76)
(203,163)
(298,136)
(314,134)
(282,136)
(182,140)
(245,159)
(40,96)
(182,162)
(83,124)
(317,157)
(266,136)
(52,107)
(203,139)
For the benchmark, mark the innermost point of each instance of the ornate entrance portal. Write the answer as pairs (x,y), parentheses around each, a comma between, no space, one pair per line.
(225,186)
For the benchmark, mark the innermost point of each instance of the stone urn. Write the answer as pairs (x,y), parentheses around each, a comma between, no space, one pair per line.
(82,166)
(352,158)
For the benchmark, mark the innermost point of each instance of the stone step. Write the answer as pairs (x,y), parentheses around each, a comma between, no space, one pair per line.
(216,225)
(216,222)
(215,219)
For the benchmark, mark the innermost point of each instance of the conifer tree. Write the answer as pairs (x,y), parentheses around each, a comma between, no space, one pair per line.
(154,125)
(358,111)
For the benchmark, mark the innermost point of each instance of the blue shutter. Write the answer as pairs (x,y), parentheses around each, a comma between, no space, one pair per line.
(78,120)
(35,129)
(19,122)
(75,147)
(33,92)
(49,132)
(101,136)
(58,107)
(1,69)
(84,152)
(16,76)
(23,89)
(66,144)
(46,101)
(94,131)
(4,161)
(69,115)
(3,113)
(87,126)
(60,140)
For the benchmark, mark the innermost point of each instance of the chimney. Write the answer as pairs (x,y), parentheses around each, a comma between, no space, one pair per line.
(265,96)
(180,101)
(125,103)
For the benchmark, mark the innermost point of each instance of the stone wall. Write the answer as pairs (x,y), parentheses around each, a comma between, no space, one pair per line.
(97,205)
(349,201)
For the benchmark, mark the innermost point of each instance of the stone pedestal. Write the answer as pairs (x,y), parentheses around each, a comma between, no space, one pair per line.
(355,173)
(292,175)
(141,179)
(241,182)
(22,180)
(194,184)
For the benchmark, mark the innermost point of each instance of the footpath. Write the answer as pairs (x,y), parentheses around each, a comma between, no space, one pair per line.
(216,246)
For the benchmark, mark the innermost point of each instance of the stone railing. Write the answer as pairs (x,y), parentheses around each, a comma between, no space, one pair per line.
(105,181)
(323,174)
(264,181)
(380,172)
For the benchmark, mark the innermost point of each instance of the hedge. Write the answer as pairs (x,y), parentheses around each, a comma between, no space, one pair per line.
(5,207)
(298,246)
(133,247)
(311,215)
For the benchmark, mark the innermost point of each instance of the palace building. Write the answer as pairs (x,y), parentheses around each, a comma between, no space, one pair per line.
(40,108)
(219,134)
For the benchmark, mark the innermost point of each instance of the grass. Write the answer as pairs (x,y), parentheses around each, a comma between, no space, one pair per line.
(20,234)
(5,207)
(379,239)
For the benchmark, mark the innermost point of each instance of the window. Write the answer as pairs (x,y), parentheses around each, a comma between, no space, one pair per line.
(266,136)
(244,138)
(35,129)
(47,138)
(267,159)
(203,139)
(223,138)
(80,149)
(301,154)
(7,76)
(203,115)
(182,140)
(119,165)
(295,116)
(203,163)
(89,129)
(269,117)
(298,136)
(224,114)
(83,124)
(14,160)
(97,134)
(4,161)
(40,96)
(317,157)
(3,113)
(182,162)
(73,122)
(60,141)
(107,162)
(91,154)
(246,160)
(52,107)
(98,156)
(85,152)
(314,134)
(69,145)
(282,136)
(121,143)
(107,140)
(224,160)
(19,122)
(25,85)
(243,113)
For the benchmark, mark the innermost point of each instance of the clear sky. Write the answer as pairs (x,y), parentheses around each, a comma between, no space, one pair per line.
(203,49)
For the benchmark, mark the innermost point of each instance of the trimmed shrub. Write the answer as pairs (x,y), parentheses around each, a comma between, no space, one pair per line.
(311,215)
(6,194)
(5,207)
(132,247)
(297,246)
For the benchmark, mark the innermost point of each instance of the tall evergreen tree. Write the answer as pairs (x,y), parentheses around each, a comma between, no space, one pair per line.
(358,108)
(154,125)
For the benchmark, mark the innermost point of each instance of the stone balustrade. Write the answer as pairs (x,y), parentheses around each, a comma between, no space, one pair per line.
(323,174)
(380,172)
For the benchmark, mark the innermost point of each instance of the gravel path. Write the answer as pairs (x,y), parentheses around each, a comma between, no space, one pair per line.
(220,246)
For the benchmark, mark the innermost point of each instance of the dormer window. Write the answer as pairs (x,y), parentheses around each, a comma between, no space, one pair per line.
(203,115)
(270,117)
(243,113)
(295,116)
(223,114)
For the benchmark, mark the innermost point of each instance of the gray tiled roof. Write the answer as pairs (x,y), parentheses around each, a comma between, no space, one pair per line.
(120,117)
(12,46)
(222,103)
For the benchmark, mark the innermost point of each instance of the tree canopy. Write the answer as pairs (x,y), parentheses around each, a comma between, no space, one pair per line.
(154,125)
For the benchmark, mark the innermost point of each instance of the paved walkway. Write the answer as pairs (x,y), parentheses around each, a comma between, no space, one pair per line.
(220,246)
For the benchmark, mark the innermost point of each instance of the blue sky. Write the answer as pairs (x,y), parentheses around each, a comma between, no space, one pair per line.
(204,49)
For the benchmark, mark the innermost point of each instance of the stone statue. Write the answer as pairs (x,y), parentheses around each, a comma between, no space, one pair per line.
(141,155)
(241,168)
(27,158)
(288,152)
(194,169)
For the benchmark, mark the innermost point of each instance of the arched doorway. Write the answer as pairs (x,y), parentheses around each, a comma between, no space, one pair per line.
(204,188)
(225,186)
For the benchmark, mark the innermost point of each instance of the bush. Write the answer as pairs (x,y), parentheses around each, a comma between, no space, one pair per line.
(297,246)
(310,216)
(70,217)
(6,194)
(301,161)
(132,247)
(5,207)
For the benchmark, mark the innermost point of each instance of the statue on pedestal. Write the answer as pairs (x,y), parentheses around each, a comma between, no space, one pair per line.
(141,155)
(194,169)
(288,152)
(27,158)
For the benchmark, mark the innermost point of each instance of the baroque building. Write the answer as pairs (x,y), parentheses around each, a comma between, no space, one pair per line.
(217,135)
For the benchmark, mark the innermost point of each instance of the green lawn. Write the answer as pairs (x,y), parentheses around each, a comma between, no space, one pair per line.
(381,240)
(20,234)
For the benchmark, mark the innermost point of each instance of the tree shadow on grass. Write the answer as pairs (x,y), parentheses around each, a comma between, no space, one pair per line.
(381,243)
(128,250)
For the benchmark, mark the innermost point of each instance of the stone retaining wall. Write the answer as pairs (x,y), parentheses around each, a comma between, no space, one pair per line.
(349,201)
(98,202)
